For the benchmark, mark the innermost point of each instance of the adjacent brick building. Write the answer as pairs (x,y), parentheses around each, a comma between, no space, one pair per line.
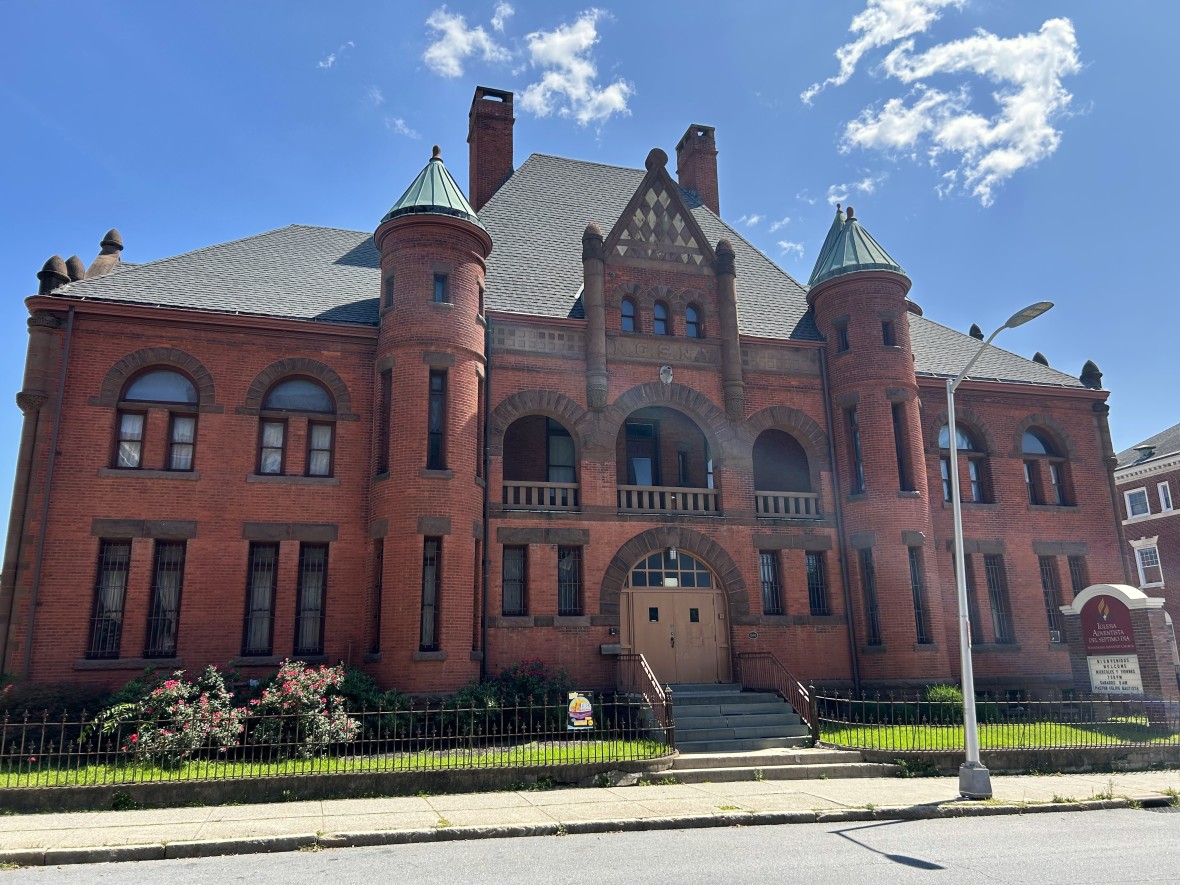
(1148,475)
(575,417)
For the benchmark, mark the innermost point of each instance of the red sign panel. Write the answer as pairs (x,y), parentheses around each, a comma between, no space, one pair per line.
(1106,626)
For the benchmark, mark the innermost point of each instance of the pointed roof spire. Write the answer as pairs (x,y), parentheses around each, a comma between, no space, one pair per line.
(849,248)
(433,192)
(976,332)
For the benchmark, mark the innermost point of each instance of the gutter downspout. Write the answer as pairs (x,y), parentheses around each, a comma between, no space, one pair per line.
(844,565)
(40,557)
(483,578)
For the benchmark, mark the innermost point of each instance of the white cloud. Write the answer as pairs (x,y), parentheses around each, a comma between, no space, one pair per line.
(974,150)
(504,11)
(790,248)
(454,43)
(568,81)
(881,23)
(398,126)
(332,57)
(781,223)
(839,193)
(804,197)
(749,220)
(374,96)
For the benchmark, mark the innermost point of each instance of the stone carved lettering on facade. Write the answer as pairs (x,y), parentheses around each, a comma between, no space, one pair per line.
(664,351)
(781,360)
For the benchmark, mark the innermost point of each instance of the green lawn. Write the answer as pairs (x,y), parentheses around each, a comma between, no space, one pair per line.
(523,756)
(1030,735)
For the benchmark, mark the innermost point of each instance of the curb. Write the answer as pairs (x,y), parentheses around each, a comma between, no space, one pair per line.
(34,857)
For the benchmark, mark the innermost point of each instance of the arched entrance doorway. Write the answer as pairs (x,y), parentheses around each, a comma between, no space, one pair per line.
(674,614)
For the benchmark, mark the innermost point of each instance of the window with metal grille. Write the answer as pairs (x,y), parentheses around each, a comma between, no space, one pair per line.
(569,581)
(309,609)
(480,423)
(375,602)
(1051,589)
(1079,575)
(431,565)
(515,581)
(164,607)
(817,583)
(258,630)
(921,604)
(772,597)
(437,421)
(384,408)
(997,594)
(972,598)
(110,593)
(858,464)
(868,586)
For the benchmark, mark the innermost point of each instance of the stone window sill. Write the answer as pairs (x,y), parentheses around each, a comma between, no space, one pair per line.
(571,621)
(925,647)
(909,493)
(873,649)
(997,648)
(282,479)
(128,663)
(428,656)
(138,473)
(257,660)
(1053,508)
(427,473)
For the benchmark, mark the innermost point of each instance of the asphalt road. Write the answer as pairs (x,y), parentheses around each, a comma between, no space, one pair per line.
(1124,846)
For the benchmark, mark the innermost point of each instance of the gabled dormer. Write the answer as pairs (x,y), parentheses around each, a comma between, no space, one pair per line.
(657,229)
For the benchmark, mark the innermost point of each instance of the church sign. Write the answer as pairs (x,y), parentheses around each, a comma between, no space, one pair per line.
(1109,642)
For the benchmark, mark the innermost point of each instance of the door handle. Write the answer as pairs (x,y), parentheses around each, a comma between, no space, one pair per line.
(672,630)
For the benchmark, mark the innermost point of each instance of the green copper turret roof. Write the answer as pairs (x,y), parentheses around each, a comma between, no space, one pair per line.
(433,192)
(849,248)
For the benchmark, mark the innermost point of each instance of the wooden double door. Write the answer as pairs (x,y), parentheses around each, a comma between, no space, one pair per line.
(682,633)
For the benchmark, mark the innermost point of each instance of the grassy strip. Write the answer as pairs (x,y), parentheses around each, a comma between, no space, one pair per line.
(1025,736)
(524,756)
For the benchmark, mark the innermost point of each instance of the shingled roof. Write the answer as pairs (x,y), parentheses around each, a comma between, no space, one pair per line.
(536,220)
(1163,444)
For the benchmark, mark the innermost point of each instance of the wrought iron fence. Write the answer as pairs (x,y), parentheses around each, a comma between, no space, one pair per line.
(930,724)
(71,750)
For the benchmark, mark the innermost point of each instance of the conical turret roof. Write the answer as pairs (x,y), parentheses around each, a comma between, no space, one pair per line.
(433,192)
(849,248)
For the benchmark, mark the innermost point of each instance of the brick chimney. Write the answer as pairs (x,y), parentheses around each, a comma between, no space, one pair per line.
(489,135)
(696,164)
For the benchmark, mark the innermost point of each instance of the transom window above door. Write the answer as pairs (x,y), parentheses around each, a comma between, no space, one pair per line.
(671,568)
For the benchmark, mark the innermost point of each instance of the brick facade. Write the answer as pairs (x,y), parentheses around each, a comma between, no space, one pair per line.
(512,384)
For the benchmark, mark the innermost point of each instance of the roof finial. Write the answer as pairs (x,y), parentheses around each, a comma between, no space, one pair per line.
(848,214)
(436,153)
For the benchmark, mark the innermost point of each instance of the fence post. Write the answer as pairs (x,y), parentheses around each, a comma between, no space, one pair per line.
(813,704)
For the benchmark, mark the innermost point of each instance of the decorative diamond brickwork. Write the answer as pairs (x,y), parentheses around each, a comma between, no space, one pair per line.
(659,231)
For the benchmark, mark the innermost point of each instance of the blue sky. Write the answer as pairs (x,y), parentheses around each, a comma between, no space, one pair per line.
(1004,152)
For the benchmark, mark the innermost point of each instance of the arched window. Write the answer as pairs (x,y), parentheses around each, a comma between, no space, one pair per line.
(782,477)
(976,488)
(297,399)
(1044,468)
(671,568)
(659,318)
(157,388)
(692,322)
(627,315)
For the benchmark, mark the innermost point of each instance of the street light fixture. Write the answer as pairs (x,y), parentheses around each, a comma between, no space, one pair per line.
(975,780)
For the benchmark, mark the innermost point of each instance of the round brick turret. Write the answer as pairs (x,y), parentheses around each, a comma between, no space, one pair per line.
(426,506)
(858,295)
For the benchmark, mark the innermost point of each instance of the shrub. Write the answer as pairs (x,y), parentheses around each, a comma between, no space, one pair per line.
(377,710)
(942,705)
(176,719)
(529,681)
(300,712)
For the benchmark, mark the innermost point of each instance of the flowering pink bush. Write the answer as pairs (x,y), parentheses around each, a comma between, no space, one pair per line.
(178,718)
(300,712)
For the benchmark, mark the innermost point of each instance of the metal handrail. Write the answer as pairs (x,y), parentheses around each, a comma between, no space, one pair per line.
(636,677)
(762,670)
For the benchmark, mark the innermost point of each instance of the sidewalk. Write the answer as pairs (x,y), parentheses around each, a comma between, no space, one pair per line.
(86,837)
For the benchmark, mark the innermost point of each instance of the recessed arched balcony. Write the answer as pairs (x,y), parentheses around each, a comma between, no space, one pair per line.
(540,465)
(664,465)
(782,478)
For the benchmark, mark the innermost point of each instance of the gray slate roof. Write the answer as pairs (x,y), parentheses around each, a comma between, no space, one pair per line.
(1166,442)
(536,221)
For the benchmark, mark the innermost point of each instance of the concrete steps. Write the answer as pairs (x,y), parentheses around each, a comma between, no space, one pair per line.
(725,719)
(773,765)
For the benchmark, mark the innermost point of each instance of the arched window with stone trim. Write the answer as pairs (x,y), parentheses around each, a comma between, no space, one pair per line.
(290,404)
(540,465)
(628,316)
(659,319)
(974,483)
(692,322)
(782,477)
(155,388)
(663,463)
(1045,468)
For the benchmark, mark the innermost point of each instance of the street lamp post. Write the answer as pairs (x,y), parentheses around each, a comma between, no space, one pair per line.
(975,780)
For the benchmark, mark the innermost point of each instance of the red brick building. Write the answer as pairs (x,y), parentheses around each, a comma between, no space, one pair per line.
(1148,475)
(577,416)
